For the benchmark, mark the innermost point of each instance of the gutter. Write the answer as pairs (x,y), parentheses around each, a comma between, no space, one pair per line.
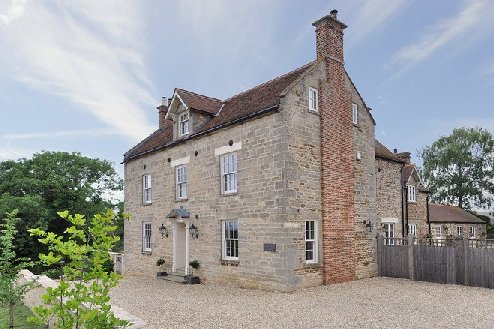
(204,132)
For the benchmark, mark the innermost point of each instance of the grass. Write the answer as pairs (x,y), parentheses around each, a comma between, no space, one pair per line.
(21,314)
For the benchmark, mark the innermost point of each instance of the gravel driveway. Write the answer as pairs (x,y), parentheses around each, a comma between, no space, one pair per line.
(370,303)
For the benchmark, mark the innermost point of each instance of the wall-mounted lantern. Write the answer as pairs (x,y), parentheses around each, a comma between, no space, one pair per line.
(368,225)
(163,231)
(194,232)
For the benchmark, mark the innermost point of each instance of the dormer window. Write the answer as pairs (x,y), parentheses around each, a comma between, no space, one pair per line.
(183,124)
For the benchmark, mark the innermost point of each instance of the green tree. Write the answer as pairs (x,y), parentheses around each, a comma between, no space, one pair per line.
(81,300)
(459,168)
(48,182)
(11,290)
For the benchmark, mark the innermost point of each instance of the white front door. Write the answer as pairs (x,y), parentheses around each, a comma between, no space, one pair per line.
(180,248)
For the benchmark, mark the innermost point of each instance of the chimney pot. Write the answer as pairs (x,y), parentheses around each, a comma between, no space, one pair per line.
(395,151)
(334,13)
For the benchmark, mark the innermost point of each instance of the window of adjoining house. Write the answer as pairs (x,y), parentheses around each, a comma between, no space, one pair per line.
(354,114)
(183,124)
(313,100)
(412,229)
(230,240)
(181,182)
(389,234)
(146,236)
(411,193)
(310,241)
(459,231)
(437,232)
(472,231)
(228,173)
(146,189)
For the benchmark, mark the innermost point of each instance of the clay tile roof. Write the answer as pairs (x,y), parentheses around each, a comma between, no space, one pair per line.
(199,102)
(253,102)
(407,171)
(439,213)
(382,152)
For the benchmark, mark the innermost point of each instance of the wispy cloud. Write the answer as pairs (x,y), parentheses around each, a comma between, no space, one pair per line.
(12,10)
(372,15)
(445,32)
(62,134)
(88,52)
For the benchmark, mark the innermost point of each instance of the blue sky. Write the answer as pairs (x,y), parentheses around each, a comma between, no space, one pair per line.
(87,75)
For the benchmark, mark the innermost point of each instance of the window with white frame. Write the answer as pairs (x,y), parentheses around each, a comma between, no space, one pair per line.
(181,182)
(389,234)
(354,113)
(313,100)
(230,240)
(437,232)
(459,231)
(183,123)
(472,231)
(229,173)
(146,189)
(411,193)
(310,241)
(146,236)
(412,229)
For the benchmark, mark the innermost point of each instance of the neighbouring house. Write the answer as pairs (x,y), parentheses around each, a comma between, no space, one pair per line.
(452,221)
(279,187)
(401,196)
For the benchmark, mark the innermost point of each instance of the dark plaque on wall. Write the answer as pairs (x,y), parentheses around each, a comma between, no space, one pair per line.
(270,247)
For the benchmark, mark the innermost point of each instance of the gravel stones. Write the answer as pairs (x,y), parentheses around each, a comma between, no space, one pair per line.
(368,303)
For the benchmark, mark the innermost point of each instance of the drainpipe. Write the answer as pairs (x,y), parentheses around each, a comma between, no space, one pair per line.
(428,221)
(402,202)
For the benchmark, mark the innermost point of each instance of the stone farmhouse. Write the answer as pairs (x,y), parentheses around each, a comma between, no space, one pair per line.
(452,221)
(279,187)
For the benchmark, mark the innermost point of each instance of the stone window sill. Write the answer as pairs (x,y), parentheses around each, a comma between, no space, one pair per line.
(312,265)
(227,262)
(149,253)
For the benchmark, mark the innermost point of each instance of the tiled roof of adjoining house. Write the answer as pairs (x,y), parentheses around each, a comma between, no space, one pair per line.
(253,102)
(439,213)
(199,102)
(382,152)
(407,171)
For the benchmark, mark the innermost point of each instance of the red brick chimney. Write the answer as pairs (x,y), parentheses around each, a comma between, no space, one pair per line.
(162,109)
(337,156)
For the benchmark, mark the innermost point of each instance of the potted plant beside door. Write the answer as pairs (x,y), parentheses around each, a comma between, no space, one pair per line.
(191,279)
(160,263)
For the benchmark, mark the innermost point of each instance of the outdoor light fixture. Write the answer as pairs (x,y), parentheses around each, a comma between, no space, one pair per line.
(368,225)
(194,232)
(164,231)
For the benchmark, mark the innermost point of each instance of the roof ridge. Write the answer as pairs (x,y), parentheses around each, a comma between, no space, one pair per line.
(270,81)
(200,95)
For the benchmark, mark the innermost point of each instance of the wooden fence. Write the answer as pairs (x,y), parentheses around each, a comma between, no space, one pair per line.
(455,261)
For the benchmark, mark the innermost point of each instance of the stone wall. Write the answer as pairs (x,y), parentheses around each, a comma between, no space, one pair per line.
(260,206)
(364,186)
(450,229)
(417,211)
(389,192)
